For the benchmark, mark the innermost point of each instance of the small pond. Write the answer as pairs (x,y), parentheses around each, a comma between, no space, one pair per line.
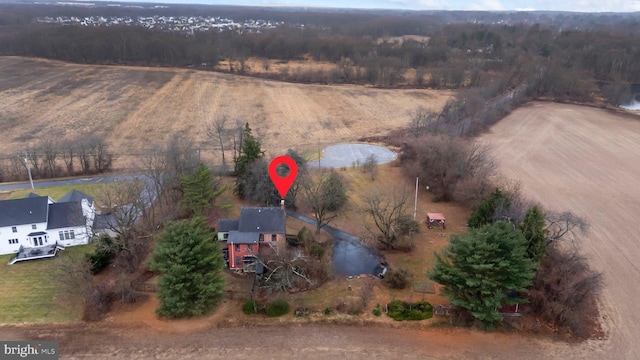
(345,155)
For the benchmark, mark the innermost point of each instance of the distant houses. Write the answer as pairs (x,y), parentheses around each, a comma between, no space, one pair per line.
(259,231)
(37,226)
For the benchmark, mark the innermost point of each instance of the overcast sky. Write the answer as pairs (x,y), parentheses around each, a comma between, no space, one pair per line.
(558,5)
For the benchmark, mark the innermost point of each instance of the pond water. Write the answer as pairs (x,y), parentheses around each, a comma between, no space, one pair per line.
(344,155)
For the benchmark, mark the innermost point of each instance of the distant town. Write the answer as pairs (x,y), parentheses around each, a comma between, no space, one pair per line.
(187,24)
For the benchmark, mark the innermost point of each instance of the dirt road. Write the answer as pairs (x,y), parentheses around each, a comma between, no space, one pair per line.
(588,161)
(311,341)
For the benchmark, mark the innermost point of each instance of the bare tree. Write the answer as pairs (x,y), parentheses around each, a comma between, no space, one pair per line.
(370,166)
(324,192)
(68,153)
(123,204)
(102,158)
(564,225)
(50,154)
(442,162)
(423,121)
(389,215)
(216,130)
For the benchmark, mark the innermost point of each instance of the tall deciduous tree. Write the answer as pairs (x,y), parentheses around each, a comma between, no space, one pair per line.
(324,194)
(190,262)
(479,269)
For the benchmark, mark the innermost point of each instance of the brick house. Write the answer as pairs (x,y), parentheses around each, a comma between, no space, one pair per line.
(258,232)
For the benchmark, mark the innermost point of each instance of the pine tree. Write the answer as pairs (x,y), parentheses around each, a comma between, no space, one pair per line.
(485,211)
(249,152)
(479,269)
(198,190)
(533,228)
(190,262)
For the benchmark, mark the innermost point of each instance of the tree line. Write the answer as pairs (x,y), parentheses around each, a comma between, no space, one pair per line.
(551,60)
(82,155)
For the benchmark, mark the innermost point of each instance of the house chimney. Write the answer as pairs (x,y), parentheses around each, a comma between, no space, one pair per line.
(282,204)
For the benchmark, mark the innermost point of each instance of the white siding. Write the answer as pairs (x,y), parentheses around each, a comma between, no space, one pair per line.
(21,233)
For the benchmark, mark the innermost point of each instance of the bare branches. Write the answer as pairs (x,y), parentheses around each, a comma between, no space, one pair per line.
(564,225)
(216,130)
(388,213)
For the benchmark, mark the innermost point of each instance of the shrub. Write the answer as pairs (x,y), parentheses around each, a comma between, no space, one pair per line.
(316,250)
(327,311)
(376,311)
(277,308)
(397,279)
(103,255)
(250,307)
(400,310)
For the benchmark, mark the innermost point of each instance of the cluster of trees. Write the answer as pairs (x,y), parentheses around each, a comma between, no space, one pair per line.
(83,155)
(512,255)
(174,185)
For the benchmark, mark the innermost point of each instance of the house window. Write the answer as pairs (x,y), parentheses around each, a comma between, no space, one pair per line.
(261,237)
(61,234)
(13,241)
(274,237)
(33,227)
(66,235)
(71,234)
(237,247)
(250,248)
(238,261)
(14,229)
(225,236)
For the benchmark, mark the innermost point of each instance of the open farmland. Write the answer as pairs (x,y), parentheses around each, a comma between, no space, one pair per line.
(587,161)
(133,107)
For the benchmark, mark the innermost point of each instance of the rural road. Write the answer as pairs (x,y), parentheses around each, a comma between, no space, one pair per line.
(64,182)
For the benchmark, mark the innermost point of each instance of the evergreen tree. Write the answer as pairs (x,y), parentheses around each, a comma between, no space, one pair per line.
(249,152)
(190,262)
(199,190)
(479,269)
(534,229)
(485,212)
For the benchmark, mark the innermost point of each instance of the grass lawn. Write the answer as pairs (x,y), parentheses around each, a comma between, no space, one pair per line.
(56,192)
(30,293)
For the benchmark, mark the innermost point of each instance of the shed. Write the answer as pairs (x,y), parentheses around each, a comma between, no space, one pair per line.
(435,219)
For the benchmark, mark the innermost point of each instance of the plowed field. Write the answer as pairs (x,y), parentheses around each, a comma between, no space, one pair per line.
(133,107)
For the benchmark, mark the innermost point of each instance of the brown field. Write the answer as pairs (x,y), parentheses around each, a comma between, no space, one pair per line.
(587,161)
(133,107)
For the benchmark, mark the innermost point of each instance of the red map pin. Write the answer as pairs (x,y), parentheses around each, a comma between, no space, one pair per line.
(283,183)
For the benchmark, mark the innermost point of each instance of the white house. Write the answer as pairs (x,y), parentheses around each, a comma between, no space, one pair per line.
(37,226)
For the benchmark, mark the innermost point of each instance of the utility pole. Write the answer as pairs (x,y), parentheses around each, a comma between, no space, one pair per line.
(415,203)
(26,163)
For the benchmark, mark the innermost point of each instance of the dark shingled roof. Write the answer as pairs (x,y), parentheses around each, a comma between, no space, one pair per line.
(262,219)
(75,196)
(66,214)
(29,210)
(226,225)
(236,237)
(32,195)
